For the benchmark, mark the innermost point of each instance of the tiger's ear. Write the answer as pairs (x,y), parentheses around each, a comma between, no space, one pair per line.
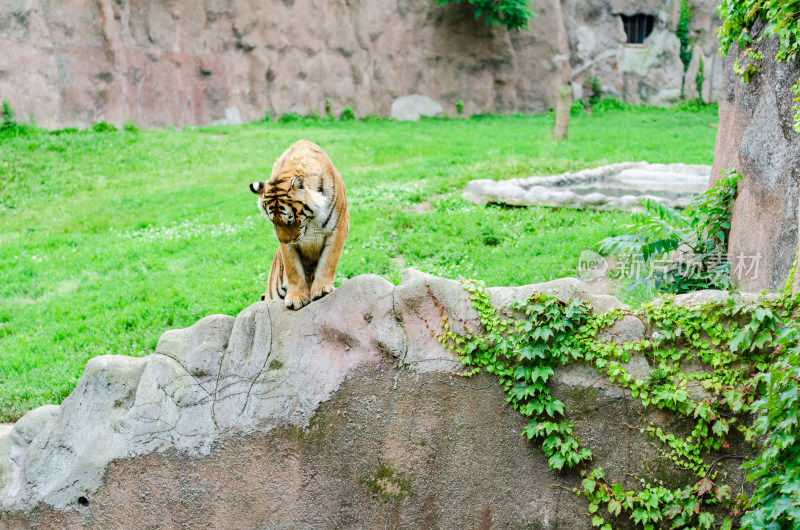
(256,187)
(297,183)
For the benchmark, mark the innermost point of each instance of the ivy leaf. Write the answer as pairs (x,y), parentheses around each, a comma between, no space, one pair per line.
(723,493)
(597,521)
(614,506)
(704,486)
(530,353)
(554,406)
(541,372)
(556,461)
(705,520)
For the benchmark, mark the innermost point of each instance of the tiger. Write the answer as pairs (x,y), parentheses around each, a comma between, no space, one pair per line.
(305,200)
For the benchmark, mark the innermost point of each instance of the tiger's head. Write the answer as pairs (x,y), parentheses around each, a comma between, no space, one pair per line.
(284,201)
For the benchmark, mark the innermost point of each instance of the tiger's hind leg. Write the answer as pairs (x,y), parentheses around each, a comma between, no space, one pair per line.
(276,281)
(283,287)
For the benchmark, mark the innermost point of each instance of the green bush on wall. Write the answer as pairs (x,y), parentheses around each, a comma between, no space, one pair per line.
(513,14)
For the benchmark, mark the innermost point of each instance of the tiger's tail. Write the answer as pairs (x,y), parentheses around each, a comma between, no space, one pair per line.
(277,281)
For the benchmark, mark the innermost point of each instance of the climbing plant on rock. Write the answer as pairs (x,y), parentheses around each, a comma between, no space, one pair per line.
(781,19)
(742,344)
(682,33)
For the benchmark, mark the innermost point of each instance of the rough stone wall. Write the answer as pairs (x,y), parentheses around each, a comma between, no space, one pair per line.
(345,414)
(77,62)
(649,73)
(756,138)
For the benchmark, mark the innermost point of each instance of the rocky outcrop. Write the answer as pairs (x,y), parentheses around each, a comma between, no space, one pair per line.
(76,62)
(345,413)
(756,138)
(650,72)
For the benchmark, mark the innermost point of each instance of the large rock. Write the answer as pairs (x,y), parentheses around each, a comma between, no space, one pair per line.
(612,187)
(413,107)
(76,62)
(347,413)
(756,138)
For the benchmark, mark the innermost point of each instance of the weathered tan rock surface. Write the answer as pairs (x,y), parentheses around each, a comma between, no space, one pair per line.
(347,413)
(651,72)
(76,62)
(756,138)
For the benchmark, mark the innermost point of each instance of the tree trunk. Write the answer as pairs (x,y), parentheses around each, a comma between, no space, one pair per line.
(563,106)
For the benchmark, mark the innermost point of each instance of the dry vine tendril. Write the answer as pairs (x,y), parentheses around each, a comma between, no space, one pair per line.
(523,343)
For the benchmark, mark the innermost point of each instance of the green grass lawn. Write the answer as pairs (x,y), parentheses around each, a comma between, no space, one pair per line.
(109,239)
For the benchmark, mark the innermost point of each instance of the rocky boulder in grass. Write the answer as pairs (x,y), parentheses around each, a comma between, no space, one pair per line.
(611,187)
(413,107)
(347,413)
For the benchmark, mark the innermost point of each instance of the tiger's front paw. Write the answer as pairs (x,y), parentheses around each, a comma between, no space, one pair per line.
(296,301)
(318,291)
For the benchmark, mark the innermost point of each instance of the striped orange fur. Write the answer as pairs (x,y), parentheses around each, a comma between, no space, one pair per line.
(305,200)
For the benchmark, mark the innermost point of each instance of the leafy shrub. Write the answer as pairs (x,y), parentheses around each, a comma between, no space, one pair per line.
(460,107)
(577,107)
(513,14)
(699,79)
(67,130)
(611,103)
(348,114)
(595,91)
(130,127)
(660,230)
(8,114)
(289,117)
(103,127)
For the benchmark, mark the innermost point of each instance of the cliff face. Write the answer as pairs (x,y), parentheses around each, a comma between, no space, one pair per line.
(77,62)
(175,62)
(756,138)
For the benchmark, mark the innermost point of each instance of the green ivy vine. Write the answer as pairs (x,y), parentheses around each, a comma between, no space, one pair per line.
(750,349)
(781,18)
(682,32)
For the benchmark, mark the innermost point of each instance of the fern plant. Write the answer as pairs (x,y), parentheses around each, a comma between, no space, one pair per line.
(700,232)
